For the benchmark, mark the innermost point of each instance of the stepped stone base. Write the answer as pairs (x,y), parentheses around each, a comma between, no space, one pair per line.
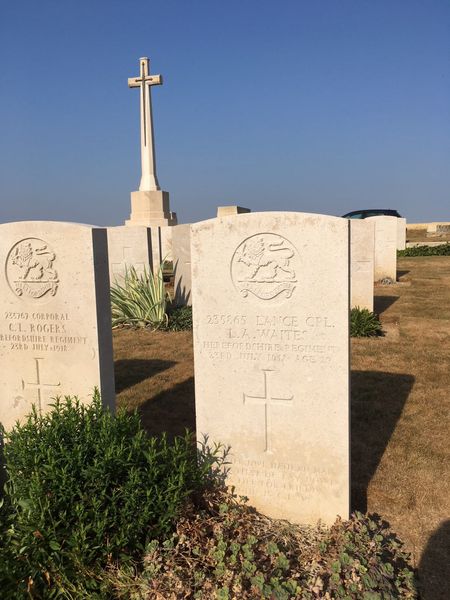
(151,209)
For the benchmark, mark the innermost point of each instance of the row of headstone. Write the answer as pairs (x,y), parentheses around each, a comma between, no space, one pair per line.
(373,257)
(270,296)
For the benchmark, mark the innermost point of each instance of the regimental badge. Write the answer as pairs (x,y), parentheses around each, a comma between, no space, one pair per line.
(262,266)
(29,269)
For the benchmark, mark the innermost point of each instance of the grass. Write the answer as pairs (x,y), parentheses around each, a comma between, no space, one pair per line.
(400,408)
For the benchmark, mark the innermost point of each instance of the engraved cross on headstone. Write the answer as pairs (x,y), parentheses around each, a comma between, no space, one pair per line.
(149,181)
(267,400)
(119,268)
(38,385)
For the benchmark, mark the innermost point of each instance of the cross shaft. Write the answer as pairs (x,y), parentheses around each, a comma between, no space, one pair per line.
(149,181)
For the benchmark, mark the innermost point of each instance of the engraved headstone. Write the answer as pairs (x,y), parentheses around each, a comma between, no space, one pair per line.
(128,247)
(362,234)
(386,234)
(270,296)
(181,247)
(55,316)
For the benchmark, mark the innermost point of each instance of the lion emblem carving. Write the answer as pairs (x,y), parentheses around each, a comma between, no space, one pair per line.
(261,266)
(30,269)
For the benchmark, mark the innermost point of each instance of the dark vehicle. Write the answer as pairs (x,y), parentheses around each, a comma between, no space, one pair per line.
(371,212)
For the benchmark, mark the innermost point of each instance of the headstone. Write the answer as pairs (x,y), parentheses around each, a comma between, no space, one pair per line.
(55,316)
(224,211)
(270,296)
(181,247)
(149,205)
(401,233)
(129,247)
(386,231)
(362,236)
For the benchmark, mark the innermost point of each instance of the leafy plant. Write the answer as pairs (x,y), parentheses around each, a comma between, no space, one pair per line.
(441,250)
(86,488)
(364,323)
(179,318)
(140,300)
(362,558)
(228,550)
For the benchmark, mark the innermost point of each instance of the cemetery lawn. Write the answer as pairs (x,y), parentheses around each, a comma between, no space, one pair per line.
(400,408)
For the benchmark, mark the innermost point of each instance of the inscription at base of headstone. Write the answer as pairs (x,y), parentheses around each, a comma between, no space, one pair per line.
(271,340)
(55,316)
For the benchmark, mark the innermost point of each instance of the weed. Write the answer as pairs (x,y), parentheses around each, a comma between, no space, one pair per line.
(364,323)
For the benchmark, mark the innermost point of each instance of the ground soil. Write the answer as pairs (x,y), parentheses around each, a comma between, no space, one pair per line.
(399,404)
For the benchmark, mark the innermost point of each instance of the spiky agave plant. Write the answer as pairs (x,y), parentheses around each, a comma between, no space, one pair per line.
(140,300)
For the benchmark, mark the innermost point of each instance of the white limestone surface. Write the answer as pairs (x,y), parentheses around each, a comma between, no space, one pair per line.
(386,232)
(181,248)
(362,247)
(401,233)
(270,296)
(223,211)
(129,247)
(55,316)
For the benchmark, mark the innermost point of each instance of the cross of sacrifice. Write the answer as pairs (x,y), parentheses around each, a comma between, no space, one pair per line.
(38,385)
(149,181)
(267,400)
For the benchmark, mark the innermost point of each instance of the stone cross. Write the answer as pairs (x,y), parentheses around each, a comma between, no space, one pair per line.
(149,181)
(267,400)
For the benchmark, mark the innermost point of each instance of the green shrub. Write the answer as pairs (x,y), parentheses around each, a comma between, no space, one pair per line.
(441,250)
(179,318)
(86,488)
(364,323)
(140,300)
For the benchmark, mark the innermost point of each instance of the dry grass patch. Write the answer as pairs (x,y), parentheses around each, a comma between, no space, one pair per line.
(400,408)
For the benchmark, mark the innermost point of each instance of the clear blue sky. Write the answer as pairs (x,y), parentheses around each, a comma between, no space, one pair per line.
(319,106)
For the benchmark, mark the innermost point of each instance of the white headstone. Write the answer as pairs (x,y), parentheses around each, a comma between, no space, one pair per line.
(55,316)
(129,247)
(362,235)
(386,232)
(270,295)
(181,247)
(401,233)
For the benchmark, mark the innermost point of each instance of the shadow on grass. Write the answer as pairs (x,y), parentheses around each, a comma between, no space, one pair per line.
(128,372)
(171,411)
(434,567)
(376,404)
(401,273)
(382,303)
